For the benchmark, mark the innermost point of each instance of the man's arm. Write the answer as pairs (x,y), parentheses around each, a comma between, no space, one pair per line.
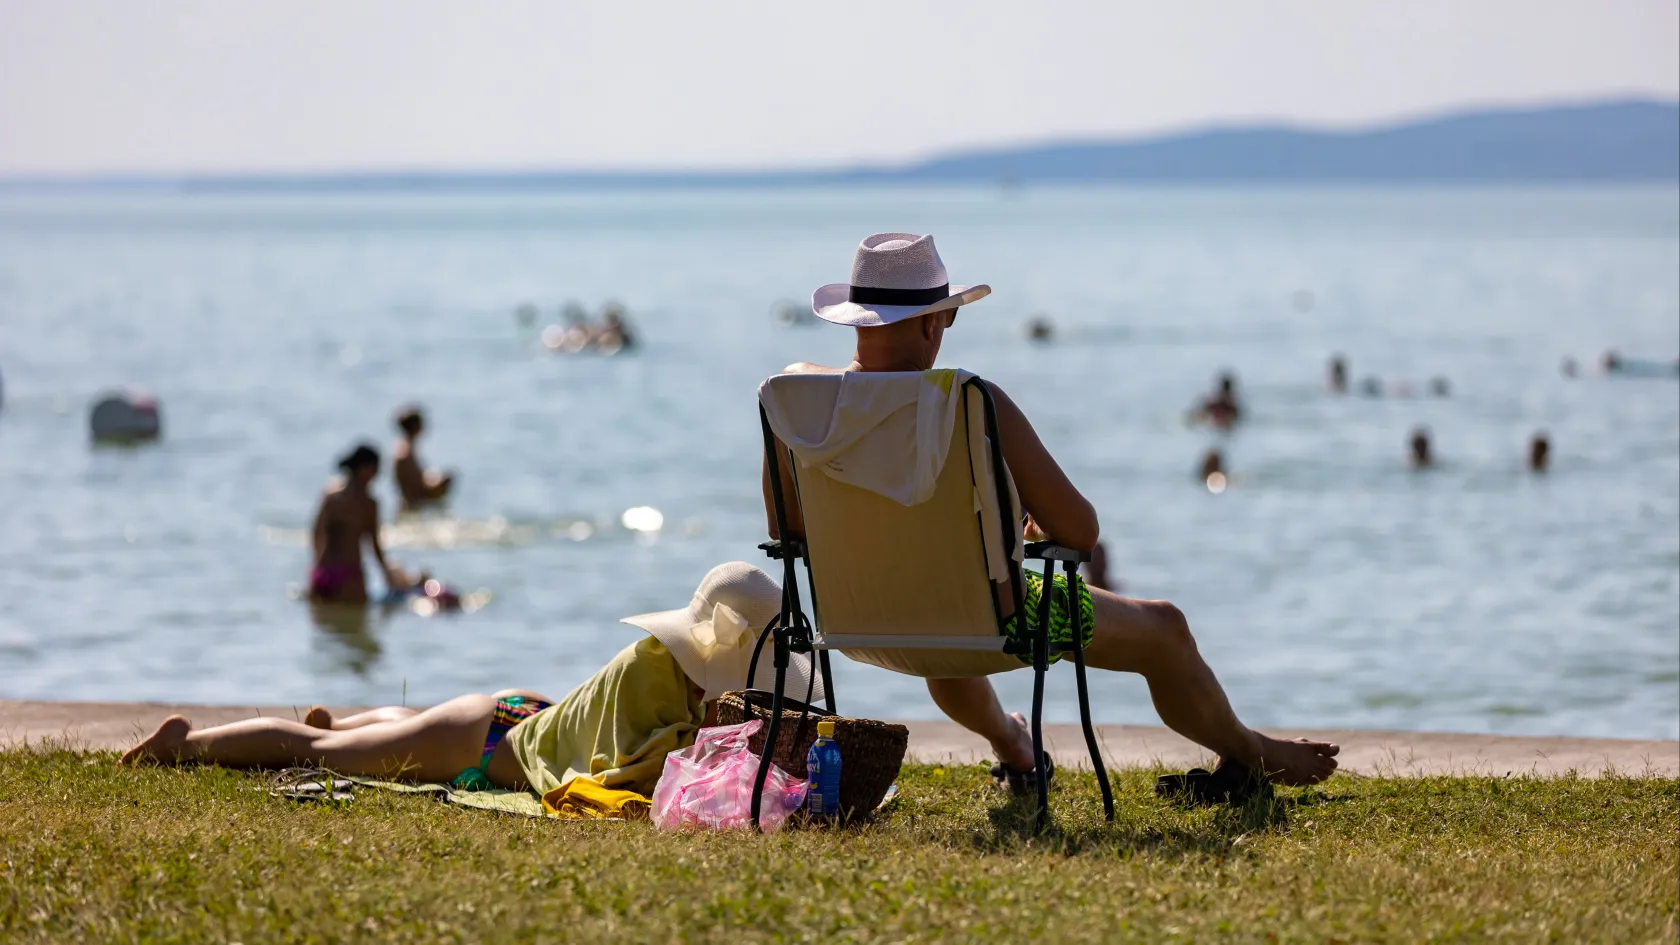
(790,498)
(1056,506)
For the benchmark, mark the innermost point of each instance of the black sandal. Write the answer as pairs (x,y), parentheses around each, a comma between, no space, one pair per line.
(1023,783)
(1230,783)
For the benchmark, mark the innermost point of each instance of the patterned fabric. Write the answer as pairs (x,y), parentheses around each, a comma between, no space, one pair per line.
(509,712)
(1020,632)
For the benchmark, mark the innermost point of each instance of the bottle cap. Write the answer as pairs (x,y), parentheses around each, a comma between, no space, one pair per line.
(825,728)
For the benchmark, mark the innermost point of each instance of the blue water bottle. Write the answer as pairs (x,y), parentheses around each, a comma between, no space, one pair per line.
(822,766)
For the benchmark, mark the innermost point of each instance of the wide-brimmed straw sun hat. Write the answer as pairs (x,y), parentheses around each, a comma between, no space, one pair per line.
(712,639)
(894,276)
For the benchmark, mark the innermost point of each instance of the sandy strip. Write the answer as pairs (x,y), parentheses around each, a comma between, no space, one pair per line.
(115,725)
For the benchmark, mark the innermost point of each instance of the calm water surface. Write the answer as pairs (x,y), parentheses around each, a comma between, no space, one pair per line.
(1329,586)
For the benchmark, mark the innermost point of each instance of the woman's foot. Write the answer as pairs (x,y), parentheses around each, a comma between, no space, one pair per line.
(164,747)
(318,717)
(1296,761)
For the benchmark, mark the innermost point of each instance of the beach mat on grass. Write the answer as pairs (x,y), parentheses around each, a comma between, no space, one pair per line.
(523,803)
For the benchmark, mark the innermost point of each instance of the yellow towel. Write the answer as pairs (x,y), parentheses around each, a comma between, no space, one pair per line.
(583,799)
(616,728)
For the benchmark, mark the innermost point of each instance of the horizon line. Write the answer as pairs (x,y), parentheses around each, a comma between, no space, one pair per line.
(816,173)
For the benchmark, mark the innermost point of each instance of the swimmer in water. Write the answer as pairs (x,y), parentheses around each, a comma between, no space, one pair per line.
(1213,464)
(417,485)
(1338,375)
(1422,458)
(1222,409)
(349,514)
(613,334)
(1539,453)
(1096,570)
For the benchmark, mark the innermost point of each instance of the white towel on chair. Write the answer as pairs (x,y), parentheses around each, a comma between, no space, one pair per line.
(885,432)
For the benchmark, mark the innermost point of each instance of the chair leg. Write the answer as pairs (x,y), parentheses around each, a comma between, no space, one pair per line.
(1041,815)
(781,660)
(1090,733)
(827,680)
(1041,665)
(1085,699)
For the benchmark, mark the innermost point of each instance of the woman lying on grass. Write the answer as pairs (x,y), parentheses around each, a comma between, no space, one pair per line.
(616,728)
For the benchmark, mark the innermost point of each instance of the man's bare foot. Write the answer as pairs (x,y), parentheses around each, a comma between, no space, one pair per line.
(1297,761)
(1017,753)
(318,717)
(164,747)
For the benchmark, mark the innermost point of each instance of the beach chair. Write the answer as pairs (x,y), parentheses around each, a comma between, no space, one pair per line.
(917,589)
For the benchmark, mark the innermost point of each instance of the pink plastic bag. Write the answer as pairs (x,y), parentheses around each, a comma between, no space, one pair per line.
(710,784)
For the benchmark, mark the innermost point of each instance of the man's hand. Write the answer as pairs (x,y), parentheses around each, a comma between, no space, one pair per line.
(1031,531)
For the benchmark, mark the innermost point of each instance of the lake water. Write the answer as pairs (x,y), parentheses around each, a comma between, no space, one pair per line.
(1329,585)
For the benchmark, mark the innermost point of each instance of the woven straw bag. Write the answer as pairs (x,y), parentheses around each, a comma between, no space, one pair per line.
(871,752)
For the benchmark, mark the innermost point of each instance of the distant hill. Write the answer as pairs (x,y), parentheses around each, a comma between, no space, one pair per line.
(1620,141)
(1607,141)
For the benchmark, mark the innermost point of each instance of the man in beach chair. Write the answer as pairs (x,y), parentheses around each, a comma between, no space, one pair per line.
(874,442)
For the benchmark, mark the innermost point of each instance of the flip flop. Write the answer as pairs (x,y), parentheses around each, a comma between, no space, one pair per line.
(1229,783)
(1023,783)
(310,784)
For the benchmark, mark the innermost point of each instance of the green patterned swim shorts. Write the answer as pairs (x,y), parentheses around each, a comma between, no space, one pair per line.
(1020,632)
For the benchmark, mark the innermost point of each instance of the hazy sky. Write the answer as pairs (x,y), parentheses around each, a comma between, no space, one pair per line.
(225,85)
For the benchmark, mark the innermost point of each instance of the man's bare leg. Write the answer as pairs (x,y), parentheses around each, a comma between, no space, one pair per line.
(1153,639)
(434,745)
(972,703)
(1150,638)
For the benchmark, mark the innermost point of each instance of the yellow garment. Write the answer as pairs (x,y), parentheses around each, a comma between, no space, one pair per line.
(616,728)
(583,799)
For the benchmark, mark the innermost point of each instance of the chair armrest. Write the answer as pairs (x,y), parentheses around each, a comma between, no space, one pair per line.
(782,549)
(1050,551)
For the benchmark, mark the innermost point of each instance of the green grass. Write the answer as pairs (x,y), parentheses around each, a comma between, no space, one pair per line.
(93,851)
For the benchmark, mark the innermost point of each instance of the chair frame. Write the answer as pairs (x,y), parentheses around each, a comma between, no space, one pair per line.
(792,632)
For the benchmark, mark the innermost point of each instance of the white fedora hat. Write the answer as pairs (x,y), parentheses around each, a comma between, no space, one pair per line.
(712,639)
(894,276)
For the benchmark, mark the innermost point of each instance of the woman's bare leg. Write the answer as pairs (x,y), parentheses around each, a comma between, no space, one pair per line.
(319,717)
(434,745)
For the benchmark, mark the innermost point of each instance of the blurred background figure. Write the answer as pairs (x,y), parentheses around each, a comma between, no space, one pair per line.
(347,517)
(791,313)
(1039,328)
(1338,375)
(1371,387)
(525,314)
(613,334)
(1213,463)
(1096,570)
(1422,455)
(571,337)
(1570,367)
(1213,471)
(1610,361)
(418,486)
(1440,387)
(1539,452)
(125,417)
(1222,409)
